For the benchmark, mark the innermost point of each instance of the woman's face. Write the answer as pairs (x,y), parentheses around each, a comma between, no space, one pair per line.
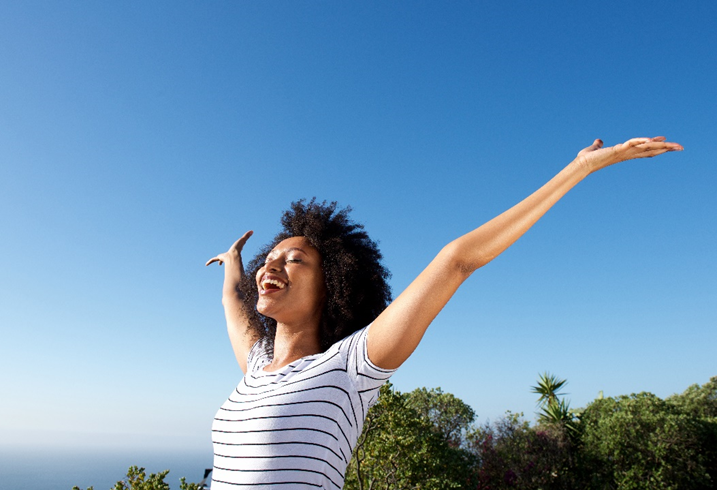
(291,283)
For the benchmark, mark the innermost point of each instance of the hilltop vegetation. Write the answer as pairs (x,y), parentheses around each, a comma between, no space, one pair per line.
(137,479)
(428,440)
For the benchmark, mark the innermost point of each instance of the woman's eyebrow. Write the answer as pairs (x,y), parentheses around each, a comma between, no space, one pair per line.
(286,251)
(295,249)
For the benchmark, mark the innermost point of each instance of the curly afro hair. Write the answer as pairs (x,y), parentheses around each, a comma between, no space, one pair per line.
(357,289)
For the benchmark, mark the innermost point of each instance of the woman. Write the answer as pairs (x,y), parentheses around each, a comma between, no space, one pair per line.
(297,324)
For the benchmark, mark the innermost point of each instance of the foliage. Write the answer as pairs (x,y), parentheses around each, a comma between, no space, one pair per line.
(553,408)
(412,441)
(625,443)
(137,479)
(426,440)
(512,455)
(699,401)
(548,388)
(183,485)
(642,442)
(448,414)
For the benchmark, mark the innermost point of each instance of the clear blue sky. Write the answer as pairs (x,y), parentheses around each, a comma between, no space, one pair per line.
(138,139)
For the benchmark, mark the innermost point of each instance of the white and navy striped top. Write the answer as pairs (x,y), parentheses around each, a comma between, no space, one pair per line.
(295,427)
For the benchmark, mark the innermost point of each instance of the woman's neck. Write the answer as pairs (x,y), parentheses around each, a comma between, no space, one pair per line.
(294,343)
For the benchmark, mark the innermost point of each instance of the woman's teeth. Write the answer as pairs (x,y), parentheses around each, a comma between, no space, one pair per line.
(272,282)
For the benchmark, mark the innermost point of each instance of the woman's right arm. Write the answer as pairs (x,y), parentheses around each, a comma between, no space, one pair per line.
(241,335)
(397,331)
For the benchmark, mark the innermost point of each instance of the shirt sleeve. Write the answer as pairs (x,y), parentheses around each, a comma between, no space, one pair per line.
(256,359)
(366,376)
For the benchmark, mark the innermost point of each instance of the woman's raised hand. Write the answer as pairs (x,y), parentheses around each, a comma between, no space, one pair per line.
(238,322)
(595,157)
(234,252)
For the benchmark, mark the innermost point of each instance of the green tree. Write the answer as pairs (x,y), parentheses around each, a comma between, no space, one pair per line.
(642,442)
(400,447)
(447,414)
(137,479)
(700,402)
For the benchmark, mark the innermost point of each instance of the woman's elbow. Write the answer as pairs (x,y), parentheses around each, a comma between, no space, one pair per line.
(461,259)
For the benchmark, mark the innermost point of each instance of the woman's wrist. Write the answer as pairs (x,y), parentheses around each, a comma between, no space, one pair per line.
(581,167)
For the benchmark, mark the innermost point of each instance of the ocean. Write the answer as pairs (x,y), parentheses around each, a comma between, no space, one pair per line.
(47,469)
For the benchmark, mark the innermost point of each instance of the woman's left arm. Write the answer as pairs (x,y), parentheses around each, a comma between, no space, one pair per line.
(395,334)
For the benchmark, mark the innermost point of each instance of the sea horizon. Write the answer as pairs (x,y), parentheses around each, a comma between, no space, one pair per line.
(61,468)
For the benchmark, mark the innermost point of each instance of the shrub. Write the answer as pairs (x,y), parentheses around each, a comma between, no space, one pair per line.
(510,455)
(641,442)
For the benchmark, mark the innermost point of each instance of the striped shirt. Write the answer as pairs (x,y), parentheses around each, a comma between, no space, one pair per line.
(295,427)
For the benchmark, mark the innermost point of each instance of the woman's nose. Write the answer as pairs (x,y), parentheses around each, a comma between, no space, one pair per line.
(274,264)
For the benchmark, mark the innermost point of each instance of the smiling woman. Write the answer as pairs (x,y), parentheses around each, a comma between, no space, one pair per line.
(312,329)
(294,418)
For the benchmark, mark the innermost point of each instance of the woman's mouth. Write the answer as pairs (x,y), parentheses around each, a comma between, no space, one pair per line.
(270,285)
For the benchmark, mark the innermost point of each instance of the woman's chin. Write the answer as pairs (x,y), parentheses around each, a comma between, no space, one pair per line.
(264,309)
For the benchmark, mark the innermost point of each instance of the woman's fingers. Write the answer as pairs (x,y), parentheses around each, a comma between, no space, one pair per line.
(645,148)
(655,144)
(657,140)
(239,244)
(214,259)
(597,144)
(595,157)
(236,248)
(636,141)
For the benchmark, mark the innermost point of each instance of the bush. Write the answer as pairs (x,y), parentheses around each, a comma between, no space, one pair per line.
(412,441)
(510,454)
(137,479)
(641,442)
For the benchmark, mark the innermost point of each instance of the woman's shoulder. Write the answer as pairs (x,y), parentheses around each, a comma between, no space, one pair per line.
(351,341)
(354,350)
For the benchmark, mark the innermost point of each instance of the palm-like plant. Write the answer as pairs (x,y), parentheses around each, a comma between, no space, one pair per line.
(548,388)
(553,408)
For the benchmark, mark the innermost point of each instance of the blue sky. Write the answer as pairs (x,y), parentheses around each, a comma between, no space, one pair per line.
(138,139)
